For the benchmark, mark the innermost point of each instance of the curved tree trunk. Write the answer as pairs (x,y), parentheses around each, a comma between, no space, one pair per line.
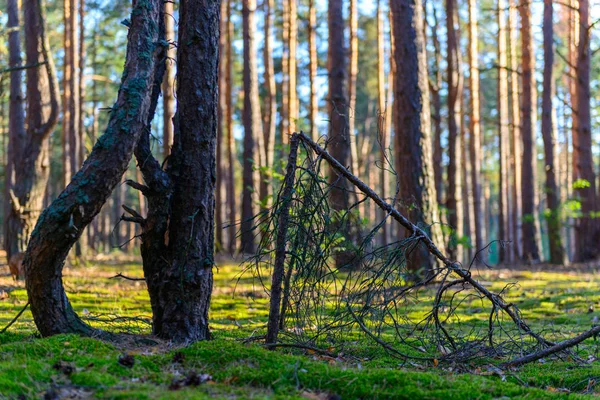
(412,125)
(61,224)
(32,170)
(552,196)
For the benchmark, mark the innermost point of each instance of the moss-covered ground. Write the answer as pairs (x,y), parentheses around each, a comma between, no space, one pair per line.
(75,367)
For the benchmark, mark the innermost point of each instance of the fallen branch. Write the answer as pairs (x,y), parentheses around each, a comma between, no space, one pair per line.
(496,300)
(15,319)
(553,349)
(120,275)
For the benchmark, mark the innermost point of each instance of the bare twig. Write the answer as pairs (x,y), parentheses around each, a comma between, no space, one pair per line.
(15,318)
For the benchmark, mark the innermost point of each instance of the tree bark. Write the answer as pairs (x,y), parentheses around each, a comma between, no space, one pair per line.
(412,126)
(270,107)
(503,133)
(16,127)
(515,150)
(292,67)
(528,187)
(475,121)
(168,90)
(231,196)
(61,224)
(586,229)
(454,196)
(436,98)
(548,133)
(221,134)
(252,128)
(384,137)
(313,110)
(352,76)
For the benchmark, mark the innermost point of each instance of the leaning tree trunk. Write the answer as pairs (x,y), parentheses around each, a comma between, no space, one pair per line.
(16,123)
(412,126)
(528,189)
(61,224)
(557,255)
(32,169)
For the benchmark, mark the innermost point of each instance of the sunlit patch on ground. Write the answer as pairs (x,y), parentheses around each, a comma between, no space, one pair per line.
(564,302)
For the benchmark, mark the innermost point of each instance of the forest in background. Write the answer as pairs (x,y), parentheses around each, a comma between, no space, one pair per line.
(512,93)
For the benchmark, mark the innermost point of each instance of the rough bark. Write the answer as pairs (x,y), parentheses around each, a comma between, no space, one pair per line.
(252,128)
(412,126)
(586,229)
(548,133)
(61,224)
(475,122)
(313,109)
(185,283)
(528,186)
(168,90)
(503,132)
(454,195)
(16,124)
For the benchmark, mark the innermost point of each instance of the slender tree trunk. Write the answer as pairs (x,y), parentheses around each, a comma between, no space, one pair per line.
(16,128)
(61,224)
(82,245)
(352,75)
(454,196)
(270,107)
(285,73)
(475,120)
(68,36)
(412,125)
(586,230)
(168,91)
(503,132)
(292,65)
(515,150)
(252,128)
(221,145)
(528,102)
(436,98)
(552,197)
(384,139)
(231,197)
(313,110)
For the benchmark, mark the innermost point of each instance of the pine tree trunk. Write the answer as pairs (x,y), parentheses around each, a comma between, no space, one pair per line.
(270,107)
(313,110)
(252,128)
(384,138)
(231,194)
(586,229)
(16,128)
(61,224)
(503,133)
(551,190)
(528,102)
(436,99)
(412,125)
(475,120)
(515,145)
(221,145)
(168,91)
(352,76)
(454,196)
(292,65)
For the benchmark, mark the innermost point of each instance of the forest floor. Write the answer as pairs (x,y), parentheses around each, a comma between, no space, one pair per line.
(74,367)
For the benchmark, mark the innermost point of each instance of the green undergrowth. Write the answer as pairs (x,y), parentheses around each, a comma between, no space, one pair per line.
(226,367)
